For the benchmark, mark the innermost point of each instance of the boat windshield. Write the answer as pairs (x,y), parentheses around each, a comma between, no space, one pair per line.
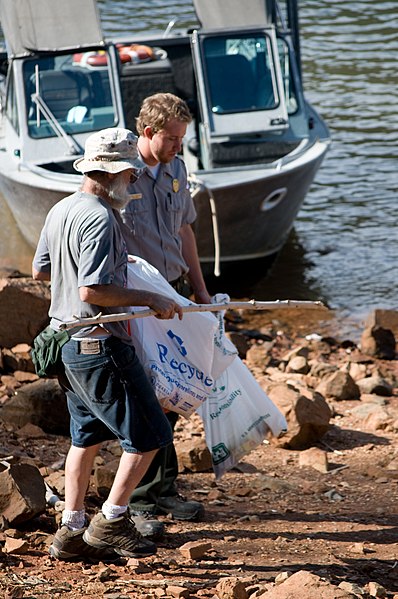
(70,90)
(240,73)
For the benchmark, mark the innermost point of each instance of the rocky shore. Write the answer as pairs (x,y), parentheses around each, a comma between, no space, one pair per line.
(311,514)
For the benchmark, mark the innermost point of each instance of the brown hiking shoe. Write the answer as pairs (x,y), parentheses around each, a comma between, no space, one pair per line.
(119,534)
(69,545)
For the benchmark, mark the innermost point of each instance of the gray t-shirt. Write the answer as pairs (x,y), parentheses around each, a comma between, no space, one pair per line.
(154,216)
(81,245)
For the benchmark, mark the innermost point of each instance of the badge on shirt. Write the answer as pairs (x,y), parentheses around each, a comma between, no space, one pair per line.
(135,196)
(176,185)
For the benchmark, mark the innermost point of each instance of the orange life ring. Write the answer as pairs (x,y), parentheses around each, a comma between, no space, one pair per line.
(142,52)
(92,59)
(123,53)
(97,59)
(136,53)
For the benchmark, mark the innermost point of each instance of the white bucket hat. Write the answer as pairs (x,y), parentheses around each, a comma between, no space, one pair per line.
(111,150)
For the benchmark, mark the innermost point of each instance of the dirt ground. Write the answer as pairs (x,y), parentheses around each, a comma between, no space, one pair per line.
(265,517)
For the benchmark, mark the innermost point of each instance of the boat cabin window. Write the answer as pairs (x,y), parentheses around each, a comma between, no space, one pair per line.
(70,90)
(240,73)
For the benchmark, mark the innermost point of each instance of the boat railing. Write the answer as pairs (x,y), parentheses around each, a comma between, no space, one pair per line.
(169,27)
(301,150)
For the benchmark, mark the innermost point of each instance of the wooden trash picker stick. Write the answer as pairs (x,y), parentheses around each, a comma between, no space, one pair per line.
(250,305)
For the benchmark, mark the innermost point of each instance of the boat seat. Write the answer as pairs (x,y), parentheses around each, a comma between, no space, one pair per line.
(64,91)
(232,83)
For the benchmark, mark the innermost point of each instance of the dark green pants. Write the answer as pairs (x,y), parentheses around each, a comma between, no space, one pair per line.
(159,479)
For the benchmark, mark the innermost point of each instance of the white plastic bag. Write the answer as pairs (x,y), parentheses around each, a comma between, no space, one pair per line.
(237,417)
(181,357)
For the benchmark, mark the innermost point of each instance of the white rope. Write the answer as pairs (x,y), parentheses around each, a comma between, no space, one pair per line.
(216,235)
(200,186)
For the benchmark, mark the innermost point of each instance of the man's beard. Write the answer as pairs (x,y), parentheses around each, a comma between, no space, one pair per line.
(118,196)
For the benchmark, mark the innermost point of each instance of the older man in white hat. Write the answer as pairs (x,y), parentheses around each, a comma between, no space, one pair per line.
(81,250)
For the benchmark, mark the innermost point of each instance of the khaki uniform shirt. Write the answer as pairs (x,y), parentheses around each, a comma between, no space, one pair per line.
(153,218)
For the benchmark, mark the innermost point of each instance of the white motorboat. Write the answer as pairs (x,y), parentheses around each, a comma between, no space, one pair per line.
(252,150)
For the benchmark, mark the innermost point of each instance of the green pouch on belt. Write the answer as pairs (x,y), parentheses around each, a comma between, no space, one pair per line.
(46,351)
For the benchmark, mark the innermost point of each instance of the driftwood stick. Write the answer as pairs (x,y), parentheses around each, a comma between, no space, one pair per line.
(250,305)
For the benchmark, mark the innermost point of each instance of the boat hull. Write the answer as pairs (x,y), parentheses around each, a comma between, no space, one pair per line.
(251,156)
(255,215)
(30,197)
(255,207)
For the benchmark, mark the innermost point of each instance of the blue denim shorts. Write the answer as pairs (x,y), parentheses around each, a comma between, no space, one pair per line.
(111,397)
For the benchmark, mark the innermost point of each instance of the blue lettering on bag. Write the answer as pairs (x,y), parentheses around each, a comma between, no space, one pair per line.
(180,342)
(183,367)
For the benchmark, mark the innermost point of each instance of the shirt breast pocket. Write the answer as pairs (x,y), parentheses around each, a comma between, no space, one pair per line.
(136,218)
(174,212)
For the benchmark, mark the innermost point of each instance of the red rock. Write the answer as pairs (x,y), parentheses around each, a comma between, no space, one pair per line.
(195,549)
(22,493)
(15,546)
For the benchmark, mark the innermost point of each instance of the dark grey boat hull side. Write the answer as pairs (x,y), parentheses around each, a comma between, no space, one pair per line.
(246,230)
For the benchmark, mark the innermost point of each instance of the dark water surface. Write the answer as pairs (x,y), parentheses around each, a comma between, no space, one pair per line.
(344,247)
